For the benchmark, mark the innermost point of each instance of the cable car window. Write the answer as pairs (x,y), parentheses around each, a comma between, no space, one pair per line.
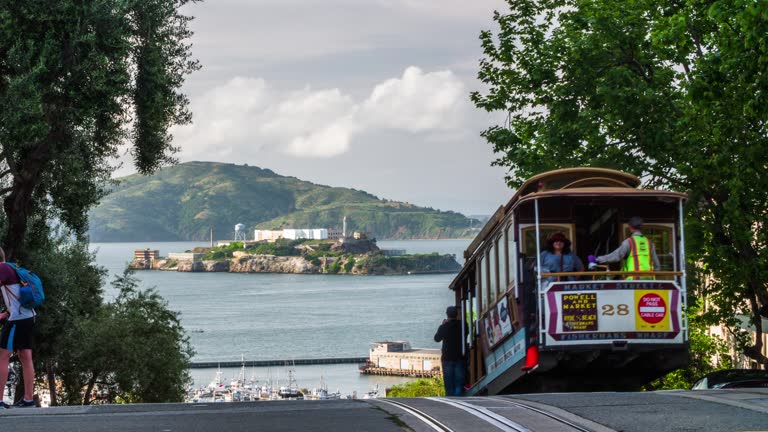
(663,239)
(493,273)
(511,249)
(482,284)
(501,247)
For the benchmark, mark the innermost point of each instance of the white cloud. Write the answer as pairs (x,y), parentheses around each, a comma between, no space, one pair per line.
(305,111)
(331,140)
(417,101)
(245,114)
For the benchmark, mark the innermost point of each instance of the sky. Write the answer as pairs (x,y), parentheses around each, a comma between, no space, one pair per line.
(368,94)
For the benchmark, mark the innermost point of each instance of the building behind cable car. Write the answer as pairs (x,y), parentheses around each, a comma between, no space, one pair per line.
(528,330)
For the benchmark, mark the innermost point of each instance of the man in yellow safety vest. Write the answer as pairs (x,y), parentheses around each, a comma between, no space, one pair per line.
(636,251)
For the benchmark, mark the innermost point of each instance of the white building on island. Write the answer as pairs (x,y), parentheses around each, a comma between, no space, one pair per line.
(291,234)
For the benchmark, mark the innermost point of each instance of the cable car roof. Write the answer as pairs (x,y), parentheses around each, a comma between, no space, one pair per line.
(578,177)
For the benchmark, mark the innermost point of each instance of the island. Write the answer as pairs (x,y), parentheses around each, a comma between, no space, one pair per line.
(340,256)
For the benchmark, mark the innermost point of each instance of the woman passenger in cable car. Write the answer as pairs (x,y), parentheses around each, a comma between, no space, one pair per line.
(557,257)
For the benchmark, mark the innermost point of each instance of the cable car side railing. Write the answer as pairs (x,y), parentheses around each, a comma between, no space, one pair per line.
(659,275)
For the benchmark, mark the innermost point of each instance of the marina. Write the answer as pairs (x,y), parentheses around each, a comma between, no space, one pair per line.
(270,388)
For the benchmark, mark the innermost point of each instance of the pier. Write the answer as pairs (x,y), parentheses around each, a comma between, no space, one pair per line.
(268,363)
(414,373)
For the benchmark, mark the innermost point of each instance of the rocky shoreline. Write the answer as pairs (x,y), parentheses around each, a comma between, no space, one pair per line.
(355,264)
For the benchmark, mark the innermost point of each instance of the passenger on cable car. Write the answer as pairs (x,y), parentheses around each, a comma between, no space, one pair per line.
(637,251)
(557,257)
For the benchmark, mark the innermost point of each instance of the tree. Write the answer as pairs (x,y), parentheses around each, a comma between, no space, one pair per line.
(78,78)
(673,92)
(133,350)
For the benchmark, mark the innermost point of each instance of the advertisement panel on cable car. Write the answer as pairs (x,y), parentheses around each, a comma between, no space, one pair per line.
(592,312)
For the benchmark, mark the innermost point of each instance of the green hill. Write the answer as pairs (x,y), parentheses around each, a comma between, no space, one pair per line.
(182,202)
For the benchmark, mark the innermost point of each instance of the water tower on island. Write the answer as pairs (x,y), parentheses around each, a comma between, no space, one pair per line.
(239,232)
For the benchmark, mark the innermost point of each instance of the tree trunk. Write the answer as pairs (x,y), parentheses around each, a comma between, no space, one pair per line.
(89,389)
(17,214)
(18,204)
(51,383)
(18,394)
(18,207)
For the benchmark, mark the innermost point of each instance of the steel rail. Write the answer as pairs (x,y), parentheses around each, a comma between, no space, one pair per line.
(430,421)
(484,414)
(542,412)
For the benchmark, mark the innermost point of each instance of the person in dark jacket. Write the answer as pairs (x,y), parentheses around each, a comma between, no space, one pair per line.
(449,333)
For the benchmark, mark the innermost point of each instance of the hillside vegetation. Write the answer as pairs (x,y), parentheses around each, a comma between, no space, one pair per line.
(184,201)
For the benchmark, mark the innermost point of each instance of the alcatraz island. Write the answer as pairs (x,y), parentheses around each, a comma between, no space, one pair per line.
(286,252)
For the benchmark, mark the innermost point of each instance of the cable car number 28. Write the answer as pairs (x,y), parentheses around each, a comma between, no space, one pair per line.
(620,309)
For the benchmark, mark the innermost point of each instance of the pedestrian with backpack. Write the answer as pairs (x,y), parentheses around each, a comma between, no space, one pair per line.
(17,331)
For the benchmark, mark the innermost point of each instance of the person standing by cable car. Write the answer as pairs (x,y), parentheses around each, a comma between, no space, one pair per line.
(636,251)
(449,333)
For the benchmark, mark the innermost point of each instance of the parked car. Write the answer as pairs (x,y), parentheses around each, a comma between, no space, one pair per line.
(733,378)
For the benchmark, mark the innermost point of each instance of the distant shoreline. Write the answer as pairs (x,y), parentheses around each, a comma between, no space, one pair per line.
(374,263)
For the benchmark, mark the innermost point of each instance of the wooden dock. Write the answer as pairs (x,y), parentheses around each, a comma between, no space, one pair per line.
(268,363)
(401,372)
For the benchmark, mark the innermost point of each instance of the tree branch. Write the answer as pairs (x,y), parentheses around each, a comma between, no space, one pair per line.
(696,40)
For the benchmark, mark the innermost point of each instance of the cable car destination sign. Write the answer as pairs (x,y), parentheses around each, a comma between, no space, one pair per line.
(593,312)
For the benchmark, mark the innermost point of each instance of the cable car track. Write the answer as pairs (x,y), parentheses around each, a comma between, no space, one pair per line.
(427,419)
(484,414)
(487,414)
(542,412)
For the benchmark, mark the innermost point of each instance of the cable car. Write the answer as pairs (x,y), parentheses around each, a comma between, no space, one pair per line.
(529,329)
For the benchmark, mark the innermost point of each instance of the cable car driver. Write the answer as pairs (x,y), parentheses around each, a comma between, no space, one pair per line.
(636,251)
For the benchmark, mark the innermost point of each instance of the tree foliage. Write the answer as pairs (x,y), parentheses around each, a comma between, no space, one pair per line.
(423,387)
(75,77)
(674,92)
(135,349)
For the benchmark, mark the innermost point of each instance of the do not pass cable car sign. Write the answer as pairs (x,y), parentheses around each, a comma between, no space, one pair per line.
(652,311)
(652,308)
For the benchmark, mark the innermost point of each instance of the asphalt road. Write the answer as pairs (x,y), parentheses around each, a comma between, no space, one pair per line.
(716,410)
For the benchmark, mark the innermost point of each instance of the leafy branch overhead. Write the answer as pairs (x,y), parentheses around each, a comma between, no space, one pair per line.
(673,92)
(78,80)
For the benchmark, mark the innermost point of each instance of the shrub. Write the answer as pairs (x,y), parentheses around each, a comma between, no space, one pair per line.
(334,268)
(424,387)
(349,265)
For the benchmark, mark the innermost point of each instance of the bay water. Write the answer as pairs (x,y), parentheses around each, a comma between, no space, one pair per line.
(292,316)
